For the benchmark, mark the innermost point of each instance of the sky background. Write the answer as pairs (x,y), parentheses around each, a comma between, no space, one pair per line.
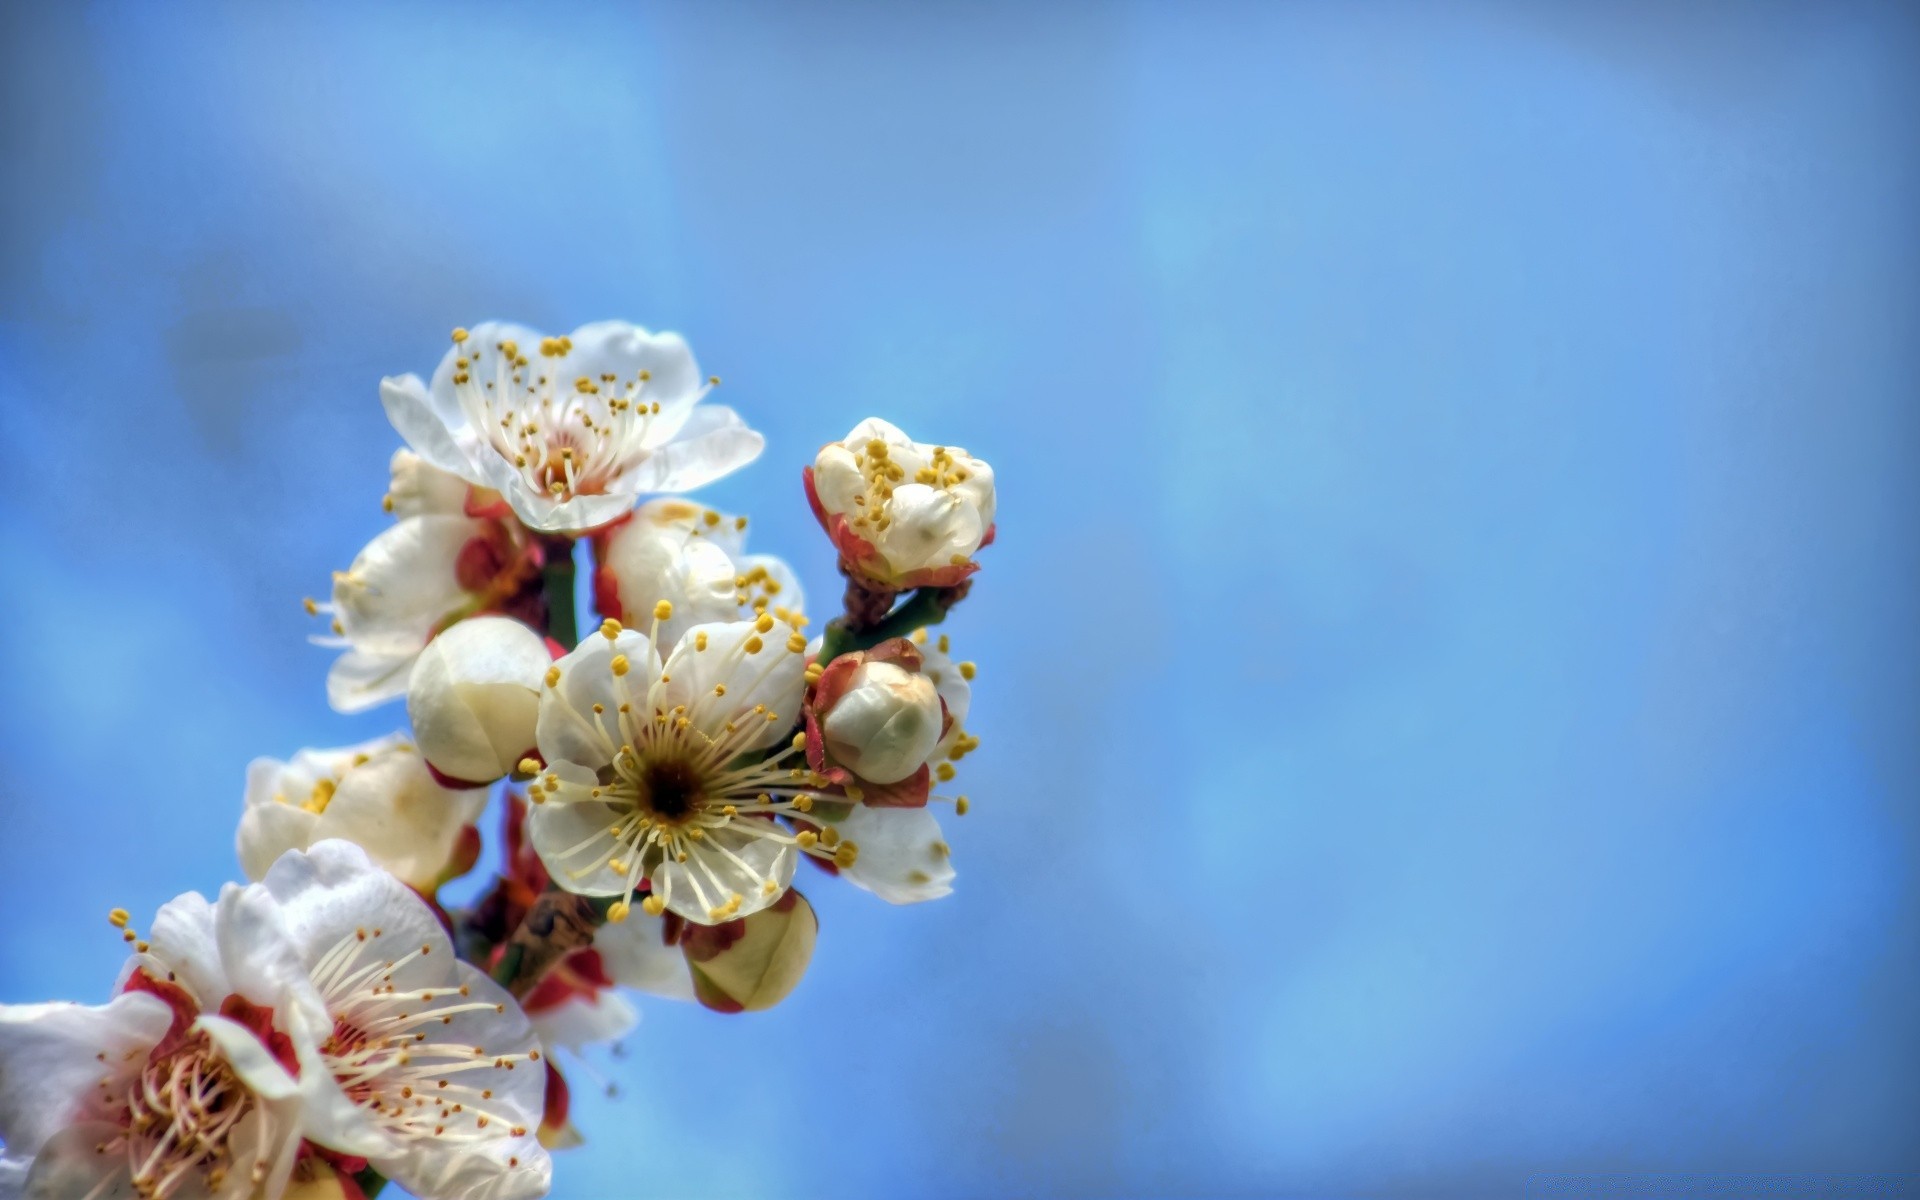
(1449,670)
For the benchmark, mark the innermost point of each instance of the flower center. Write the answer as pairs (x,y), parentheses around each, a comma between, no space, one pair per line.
(671,790)
(180,1115)
(566,433)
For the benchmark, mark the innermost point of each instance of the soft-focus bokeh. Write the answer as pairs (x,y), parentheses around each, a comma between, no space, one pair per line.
(1449,674)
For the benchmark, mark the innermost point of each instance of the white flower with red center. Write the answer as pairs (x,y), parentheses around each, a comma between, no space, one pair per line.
(670,776)
(695,559)
(570,430)
(379,795)
(321,1007)
(456,551)
(901,513)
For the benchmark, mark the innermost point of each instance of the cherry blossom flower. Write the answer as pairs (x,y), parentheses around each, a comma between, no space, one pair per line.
(570,430)
(379,795)
(474,695)
(654,771)
(318,1011)
(902,514)
(456,551)
(695,559)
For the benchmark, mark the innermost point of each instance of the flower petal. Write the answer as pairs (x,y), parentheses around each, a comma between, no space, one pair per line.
(568,728)
(416,419)
(636,955)
(249,1058)
(393,807)
(48,1059)
(571,837)
(725,680)
(903,859)
(183,939)
(713,442)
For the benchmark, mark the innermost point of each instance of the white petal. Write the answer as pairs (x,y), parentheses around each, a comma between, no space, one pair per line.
(635,956)
(251,1061)
(651,562)
(773,676)
(929,528)
(572,515)
(403,584)
(713,442)
(70,1165)
(392,807)
(690,887)
(582,1021)
(479,1169)
(327,894)
(361,679)
(415,419)
(903,859)
(418,488)
(48,1063)
(556,828)
(183,938)
(262,963)
(936,664)
(269,830)
(568,729)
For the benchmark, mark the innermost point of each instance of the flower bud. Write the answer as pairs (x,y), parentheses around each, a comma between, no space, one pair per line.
(903,514)
(752,963)
(475,695)
(885,724)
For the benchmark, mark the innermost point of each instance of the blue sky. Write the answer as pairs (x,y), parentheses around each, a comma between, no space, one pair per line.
(1447,669)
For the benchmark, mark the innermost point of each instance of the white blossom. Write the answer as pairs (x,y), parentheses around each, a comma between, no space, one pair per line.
(654,770)
(902,514)
(695,559)
(474,695)
(570,430)
(323,1004)
(378,795)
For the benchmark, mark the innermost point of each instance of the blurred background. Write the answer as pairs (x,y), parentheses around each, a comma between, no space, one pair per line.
(1449,681)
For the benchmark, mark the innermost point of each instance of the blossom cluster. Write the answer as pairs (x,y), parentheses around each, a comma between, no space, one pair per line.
(331,1025)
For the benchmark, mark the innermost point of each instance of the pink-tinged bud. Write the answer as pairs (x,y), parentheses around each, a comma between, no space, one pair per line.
(474,697)
(885,724)
(752,963)
(902,514)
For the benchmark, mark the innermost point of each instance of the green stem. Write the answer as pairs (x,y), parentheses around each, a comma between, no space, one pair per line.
(556,581)
(509,964)
(370,1182)
(920,610)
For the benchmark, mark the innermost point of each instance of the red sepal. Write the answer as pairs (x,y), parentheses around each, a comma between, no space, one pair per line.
(453,783)
(559,1101)
(185,1008)
(259,1021)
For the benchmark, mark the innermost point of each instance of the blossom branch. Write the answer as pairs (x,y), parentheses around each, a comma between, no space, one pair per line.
(927,606)
(556,581)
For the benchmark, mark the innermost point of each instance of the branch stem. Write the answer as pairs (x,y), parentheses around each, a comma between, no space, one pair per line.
(556,581)
(922,609)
